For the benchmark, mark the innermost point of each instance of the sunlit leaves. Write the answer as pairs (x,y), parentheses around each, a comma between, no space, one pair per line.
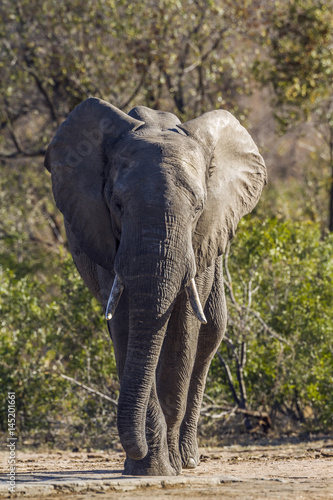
(290,267)
(179,56)
(299,65)
(44,335)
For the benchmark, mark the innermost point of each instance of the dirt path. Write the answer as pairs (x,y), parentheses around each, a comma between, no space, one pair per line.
(289,471)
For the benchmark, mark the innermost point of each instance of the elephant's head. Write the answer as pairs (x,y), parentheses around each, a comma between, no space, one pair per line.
(154,202)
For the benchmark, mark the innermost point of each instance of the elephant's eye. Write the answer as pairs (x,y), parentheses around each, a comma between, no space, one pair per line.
(198,208)
(117,206)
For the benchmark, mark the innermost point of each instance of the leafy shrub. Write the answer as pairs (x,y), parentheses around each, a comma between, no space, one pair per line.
(43,341)
(280,313)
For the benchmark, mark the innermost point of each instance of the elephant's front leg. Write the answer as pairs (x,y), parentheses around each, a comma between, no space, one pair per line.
(156,462)
(174,372)
(209,340)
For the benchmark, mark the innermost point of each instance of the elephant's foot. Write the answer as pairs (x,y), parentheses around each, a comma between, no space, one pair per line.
(175,458)
(190,454)
(149,466)
(191,463)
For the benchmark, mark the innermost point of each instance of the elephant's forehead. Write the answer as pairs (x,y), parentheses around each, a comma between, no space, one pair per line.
(160,160)
(160,146)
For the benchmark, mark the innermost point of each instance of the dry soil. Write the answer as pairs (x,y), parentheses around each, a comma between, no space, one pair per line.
(284,471)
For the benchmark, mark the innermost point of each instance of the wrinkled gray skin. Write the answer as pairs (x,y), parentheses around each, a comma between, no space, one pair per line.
(155,202)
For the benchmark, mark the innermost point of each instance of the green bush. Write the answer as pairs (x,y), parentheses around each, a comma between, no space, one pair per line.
(44,340)
(280,312)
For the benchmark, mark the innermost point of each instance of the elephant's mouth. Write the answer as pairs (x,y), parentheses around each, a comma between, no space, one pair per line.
(118,287)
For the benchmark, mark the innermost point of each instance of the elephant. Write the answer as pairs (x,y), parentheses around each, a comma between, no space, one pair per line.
(149,205)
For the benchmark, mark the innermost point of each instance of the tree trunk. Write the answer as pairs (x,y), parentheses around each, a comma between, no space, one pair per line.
(330,225)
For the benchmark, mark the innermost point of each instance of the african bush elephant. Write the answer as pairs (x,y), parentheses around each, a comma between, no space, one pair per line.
(149,205)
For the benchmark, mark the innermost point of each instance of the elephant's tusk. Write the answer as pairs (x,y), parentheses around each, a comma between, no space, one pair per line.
(193,296)
(116,291)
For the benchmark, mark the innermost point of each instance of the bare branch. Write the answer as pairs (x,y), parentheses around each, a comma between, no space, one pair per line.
(230,379)
(240,378)
(52,223)
(209,398)
(27,67)
(204,56)
(248,307)
(230,343)
(215,44)
(17,143)
(243,354)
(89,389)
(136,90)
(228,282)
(252,413)
(19,154)
(266,327)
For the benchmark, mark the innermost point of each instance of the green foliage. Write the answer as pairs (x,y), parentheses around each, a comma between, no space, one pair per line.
(177,56)
(41,340)
(299,66)
(282,272)
(297,63)
(183,54)
(302,198)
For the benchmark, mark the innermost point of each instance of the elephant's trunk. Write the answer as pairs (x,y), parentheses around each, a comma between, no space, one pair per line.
(162,265)
(150,301)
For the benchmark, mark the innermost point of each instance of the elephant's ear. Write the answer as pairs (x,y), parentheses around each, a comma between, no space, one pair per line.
(77,161)
(236,176)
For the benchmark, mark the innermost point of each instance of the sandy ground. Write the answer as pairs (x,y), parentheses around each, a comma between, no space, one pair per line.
(284,471)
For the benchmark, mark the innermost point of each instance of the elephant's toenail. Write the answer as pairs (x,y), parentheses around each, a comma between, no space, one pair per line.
(191,464)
